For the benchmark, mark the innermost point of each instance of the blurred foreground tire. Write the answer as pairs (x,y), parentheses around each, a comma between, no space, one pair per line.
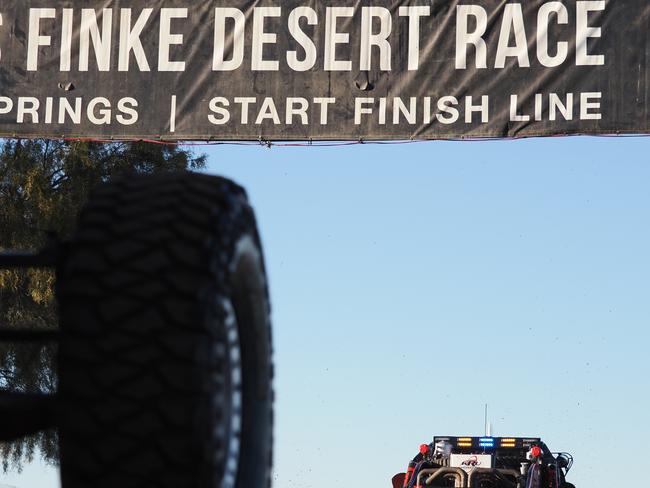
(165,359)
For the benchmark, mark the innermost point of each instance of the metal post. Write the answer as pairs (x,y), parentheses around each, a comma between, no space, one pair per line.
(24,414)
(15,259)
(28,335)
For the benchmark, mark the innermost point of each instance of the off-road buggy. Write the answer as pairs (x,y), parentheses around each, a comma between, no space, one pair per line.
(486,462)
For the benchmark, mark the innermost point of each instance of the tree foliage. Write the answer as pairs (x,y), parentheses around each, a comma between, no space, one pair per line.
(43,185)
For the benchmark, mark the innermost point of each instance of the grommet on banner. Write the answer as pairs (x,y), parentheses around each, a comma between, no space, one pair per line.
(264,142)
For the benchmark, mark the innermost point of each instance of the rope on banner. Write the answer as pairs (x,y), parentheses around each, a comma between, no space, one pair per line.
(261,142)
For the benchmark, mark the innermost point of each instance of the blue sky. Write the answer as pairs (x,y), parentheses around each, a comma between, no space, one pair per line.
(413,283)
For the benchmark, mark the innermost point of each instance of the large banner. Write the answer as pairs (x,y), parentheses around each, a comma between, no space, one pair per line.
(317,70)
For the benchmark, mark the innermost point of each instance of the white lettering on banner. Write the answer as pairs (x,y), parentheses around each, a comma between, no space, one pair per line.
(49,110)
(414,14)
(35,39)
(66,108)
(245,102)
(370,29)
(216,108)
(543,20)
(369,41)
(380,40)
(464,38)
(512,23)
(127,106)
(301,111)
(260,37)
(324,107)
(130,39)
(104,111)
(589,107)
(268,111)
(399,109)
(584,32)
(101,42)
(483,109)
(556,104)
(538,106)
(513,26)
(296,110)
(334,38)
(235,41)
(6,105)
(382,111)
(98,110)
(514,116)
(588,102)
(101,38)
(65,62)
(447,111)
(305,42)
(172,114)
(28,106)
(361,109)
(167,39)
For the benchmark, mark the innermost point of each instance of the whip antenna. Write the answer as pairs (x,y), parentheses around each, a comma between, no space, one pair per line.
(487,427)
